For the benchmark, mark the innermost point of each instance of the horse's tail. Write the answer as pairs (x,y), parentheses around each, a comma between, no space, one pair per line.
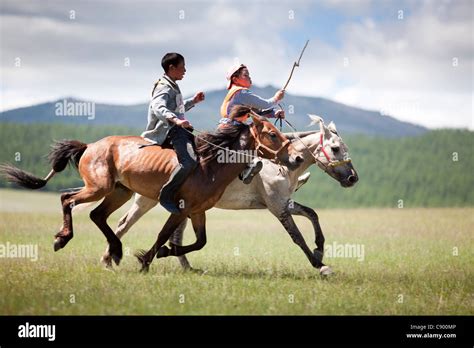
(65,151)
(62,152)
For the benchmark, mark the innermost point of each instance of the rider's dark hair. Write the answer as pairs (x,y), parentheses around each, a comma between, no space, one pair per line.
(168,60)
(171,59)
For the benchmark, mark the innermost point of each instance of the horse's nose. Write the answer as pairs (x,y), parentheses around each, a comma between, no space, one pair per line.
(299,159)
(352,179)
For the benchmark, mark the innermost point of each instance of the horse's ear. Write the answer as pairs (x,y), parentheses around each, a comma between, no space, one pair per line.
(332,127)
(315,119)
(322,128)
(256,120)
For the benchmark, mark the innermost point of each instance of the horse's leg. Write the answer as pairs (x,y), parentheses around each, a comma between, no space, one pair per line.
(146,257)
(68,201)
(119,196)
(177,239)
(140,207)
(199,226)
(299,209)
(284,216)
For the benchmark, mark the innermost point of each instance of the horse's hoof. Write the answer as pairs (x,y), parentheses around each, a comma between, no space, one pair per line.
(109,268)
(196,270)
(116,258)
(58,244)
(145,269)
(186,268)
(325,271)
(141,257)
(116,253)
(106,260)
(163,251)
(145,265)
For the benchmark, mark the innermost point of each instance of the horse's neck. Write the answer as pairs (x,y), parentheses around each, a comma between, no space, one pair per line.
(222,174)
(311,141)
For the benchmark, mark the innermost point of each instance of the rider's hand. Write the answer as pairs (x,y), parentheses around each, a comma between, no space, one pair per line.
(198,97)
(280,114)
(279,95)
(183,123)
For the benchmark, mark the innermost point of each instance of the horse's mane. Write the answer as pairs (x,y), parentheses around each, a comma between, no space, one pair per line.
(291,135)
(223,137)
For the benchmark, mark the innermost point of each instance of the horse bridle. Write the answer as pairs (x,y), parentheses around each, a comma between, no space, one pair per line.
(320,148)
(261,146)
(330,162)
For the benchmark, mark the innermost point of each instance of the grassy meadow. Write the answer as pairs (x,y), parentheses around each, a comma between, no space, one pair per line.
(417,261)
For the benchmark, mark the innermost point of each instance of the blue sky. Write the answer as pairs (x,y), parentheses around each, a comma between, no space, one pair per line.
(323,20)
(418,68)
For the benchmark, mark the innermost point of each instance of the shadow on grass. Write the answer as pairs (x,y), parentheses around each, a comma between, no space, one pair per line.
(261,274)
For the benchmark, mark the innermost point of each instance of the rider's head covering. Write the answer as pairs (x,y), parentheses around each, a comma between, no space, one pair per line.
(232,70)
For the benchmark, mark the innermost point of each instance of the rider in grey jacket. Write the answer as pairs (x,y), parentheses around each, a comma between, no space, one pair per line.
(167,125)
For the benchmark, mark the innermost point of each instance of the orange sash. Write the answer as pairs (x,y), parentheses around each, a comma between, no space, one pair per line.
(225,103)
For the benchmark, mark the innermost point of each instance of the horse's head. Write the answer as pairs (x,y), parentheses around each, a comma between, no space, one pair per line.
(270,143)
(333,155)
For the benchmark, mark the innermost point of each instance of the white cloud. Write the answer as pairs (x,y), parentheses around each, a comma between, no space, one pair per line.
(403,67)
(85,57)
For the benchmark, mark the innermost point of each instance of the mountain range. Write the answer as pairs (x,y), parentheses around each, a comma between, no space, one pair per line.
(348,119)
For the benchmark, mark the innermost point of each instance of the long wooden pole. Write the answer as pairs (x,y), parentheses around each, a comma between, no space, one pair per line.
(295,64)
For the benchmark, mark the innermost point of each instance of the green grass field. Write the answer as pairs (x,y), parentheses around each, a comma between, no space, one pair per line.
(416,262)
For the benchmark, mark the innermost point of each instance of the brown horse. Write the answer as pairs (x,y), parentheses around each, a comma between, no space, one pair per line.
(115,167)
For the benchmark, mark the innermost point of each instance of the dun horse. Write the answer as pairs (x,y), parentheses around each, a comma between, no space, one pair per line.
(115,167)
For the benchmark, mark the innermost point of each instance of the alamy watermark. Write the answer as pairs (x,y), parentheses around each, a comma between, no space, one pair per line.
(336,250)
(401,107)
(231,156)
(28,330)
(12,251)
(75,108)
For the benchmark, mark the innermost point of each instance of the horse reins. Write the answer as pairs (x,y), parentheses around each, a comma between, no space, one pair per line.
(320,148)
(258,147)
(215,145)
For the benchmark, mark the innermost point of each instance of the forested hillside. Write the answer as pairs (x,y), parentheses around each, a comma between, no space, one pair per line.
(349,120)
(434,169)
